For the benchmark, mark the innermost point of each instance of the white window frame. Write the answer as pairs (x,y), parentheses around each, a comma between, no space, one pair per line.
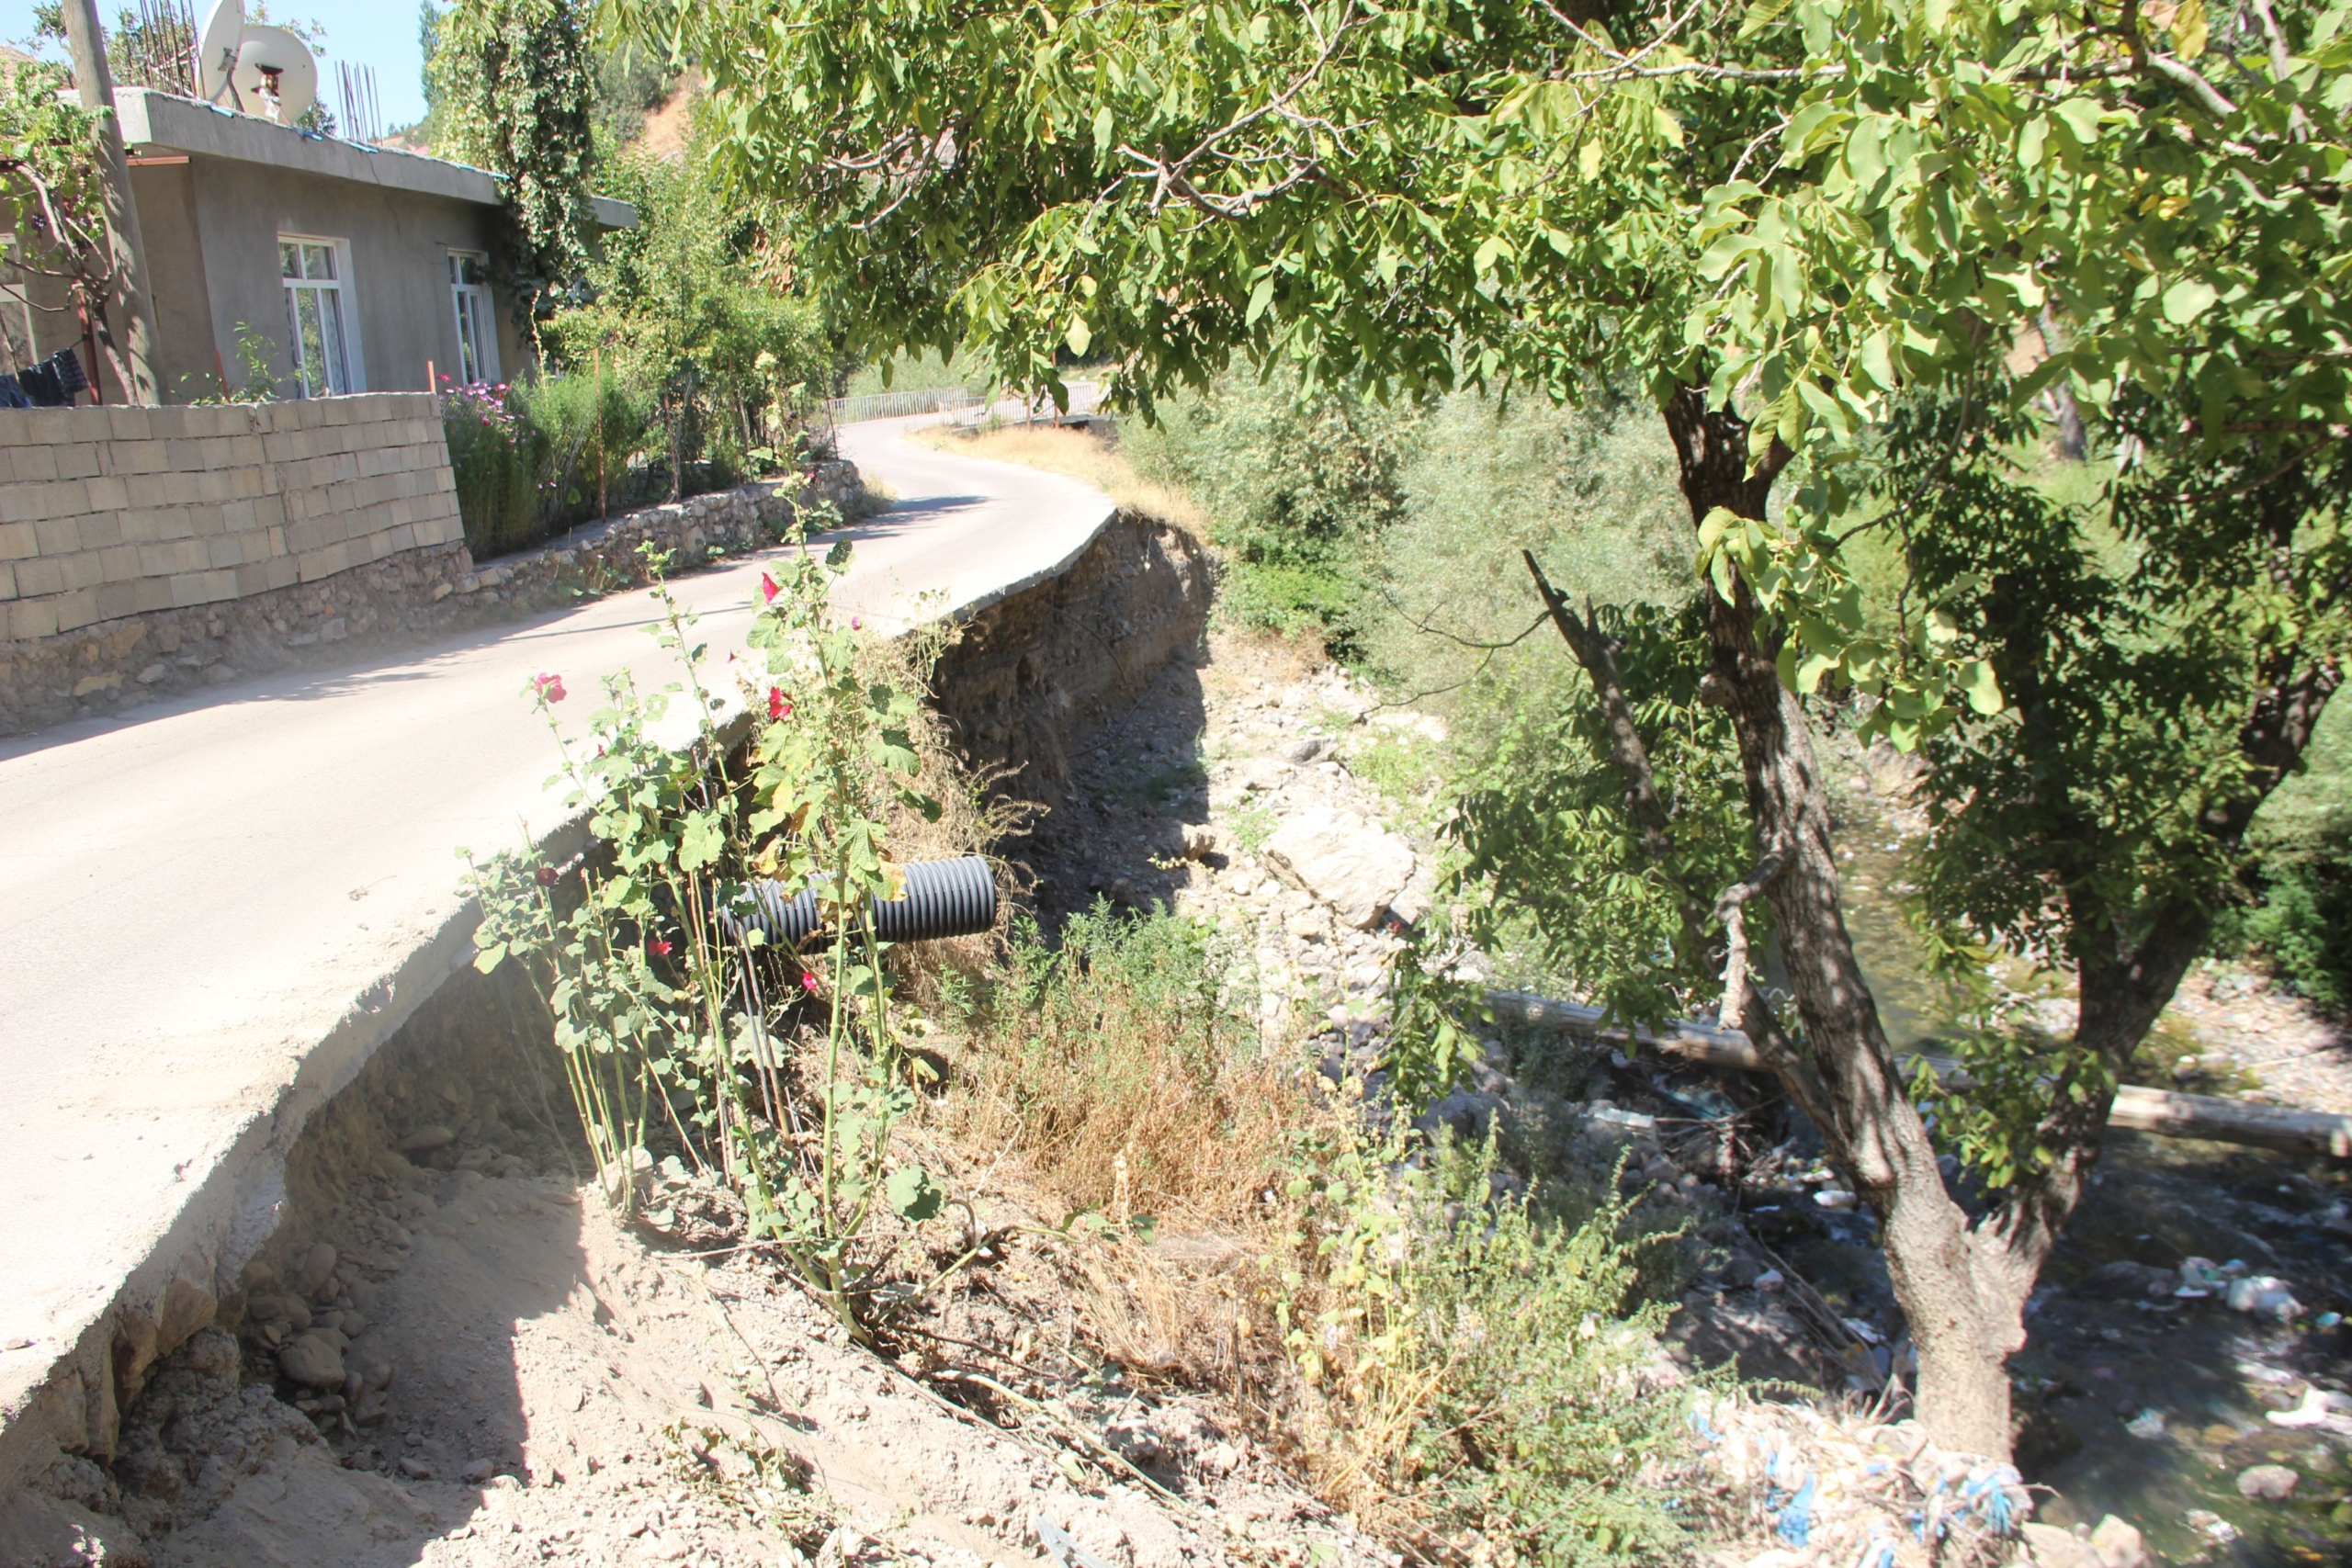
(474,299)
(355,363)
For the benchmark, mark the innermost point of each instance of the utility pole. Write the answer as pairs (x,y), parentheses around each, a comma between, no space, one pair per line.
(126,252)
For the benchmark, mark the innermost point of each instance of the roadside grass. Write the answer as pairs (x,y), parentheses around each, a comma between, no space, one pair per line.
(1079,454)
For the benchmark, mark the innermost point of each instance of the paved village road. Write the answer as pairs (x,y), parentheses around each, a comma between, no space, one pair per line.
(196,894)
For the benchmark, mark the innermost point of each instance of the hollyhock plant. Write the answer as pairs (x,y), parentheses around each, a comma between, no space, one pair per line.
(548,687)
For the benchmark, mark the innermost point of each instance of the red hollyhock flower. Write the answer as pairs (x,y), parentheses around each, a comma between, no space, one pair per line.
(768,590)
(808,980)
(657,947)
(546,876)
(549,687)
(780,705)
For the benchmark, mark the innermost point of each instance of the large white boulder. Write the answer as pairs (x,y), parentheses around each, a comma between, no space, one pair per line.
(1343,861)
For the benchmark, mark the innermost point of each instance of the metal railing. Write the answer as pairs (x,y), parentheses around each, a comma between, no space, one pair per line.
(896,405)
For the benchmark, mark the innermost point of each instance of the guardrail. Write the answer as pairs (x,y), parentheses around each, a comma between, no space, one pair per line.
(896,405)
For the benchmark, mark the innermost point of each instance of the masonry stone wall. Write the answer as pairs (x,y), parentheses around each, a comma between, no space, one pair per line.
(106,512)
(395,600)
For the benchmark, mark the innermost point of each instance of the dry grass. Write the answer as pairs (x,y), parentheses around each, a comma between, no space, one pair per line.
(1123,1081)
(1080,455)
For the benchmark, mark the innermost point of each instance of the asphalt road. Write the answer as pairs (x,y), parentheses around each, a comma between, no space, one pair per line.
(203,900)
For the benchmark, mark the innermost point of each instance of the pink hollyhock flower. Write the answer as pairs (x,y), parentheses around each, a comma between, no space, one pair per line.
(549,687)
(657,947)
(854,623)
(808,981)
(768,590)
(780,705)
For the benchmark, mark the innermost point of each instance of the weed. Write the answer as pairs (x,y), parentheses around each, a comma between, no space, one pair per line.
(1252,825)
(1125,1066)
(783,1072)
(1485,1366)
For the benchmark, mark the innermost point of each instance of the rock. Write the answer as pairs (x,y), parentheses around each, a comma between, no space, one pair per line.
(316,1267)
(425,1140)
(2124,1279)
(480,1471)
(153,674)
(1200,841)
(313,1361)
(2118,1544)
(1307,750)
(2267,1483)
(1354,868)
(2055,1547)
(415,1469)
(1264,773)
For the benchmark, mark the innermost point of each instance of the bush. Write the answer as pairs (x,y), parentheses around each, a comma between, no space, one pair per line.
(590,428)
(1488,1368)
(1125,1066)
(494,458)
(2300,922)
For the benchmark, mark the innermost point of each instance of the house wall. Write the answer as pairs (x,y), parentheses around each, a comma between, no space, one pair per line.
(396,291)
(188,367)
(115,512)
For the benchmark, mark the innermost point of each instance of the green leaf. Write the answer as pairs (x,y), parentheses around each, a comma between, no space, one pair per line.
(911,1194)
(1102,125)
(1078,335)
(1761,14)
(1259,299)
(702,842)
(2187,300)
(1982,688)
(488,957)
(2080,117)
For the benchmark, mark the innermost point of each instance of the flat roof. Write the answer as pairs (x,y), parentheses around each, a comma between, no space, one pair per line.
(152,118)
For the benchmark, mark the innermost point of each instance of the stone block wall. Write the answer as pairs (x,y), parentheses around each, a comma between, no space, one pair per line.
(110,512)
(400,598)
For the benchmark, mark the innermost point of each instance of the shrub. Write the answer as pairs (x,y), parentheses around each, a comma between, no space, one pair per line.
(1490,1382)
(1125,1066)
(591,428)
(495,454)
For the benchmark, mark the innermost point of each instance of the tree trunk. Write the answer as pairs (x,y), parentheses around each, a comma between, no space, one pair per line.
(1963,1295)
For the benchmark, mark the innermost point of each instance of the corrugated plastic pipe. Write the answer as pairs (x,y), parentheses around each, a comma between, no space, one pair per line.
(944,898)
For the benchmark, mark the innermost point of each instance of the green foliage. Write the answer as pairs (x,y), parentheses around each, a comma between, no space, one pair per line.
(1297,483)
(662,1012)
(512,85)
(685,309)
(495,459)
(1555,870)
(2298,875)
(1485,1358)
(51,183)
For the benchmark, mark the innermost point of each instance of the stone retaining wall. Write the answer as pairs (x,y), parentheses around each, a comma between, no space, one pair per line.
(420,591)
(107,512)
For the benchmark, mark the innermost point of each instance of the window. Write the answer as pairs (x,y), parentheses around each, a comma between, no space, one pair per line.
(312,270)
(477,338)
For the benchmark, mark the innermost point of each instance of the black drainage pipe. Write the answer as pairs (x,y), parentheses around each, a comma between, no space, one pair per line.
(944,898)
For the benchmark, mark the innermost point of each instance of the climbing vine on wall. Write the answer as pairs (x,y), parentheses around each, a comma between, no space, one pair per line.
(513,82)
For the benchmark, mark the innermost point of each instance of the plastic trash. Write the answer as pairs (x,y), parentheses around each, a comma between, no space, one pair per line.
(2149,1424)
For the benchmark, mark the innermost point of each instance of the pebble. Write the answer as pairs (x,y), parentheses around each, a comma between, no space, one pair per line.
(2267,1483)
(416,1470)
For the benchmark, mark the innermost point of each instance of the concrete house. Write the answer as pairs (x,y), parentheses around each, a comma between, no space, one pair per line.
(345,267)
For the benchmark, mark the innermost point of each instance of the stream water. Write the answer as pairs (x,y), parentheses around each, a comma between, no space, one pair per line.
(2152,1407)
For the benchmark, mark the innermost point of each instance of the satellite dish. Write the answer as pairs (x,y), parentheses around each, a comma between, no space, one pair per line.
(276,76)
(216,48)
